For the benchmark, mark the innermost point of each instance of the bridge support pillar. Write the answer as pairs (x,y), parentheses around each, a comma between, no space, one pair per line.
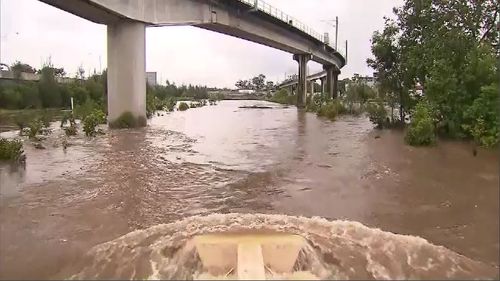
(322,87)
(332,74)
(127,71)
(329,81)
(302,59)
(336,73)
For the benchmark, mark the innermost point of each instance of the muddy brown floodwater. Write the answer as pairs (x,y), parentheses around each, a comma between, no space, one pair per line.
(226,159)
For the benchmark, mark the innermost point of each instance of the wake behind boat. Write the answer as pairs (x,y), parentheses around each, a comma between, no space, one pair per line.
(256,246)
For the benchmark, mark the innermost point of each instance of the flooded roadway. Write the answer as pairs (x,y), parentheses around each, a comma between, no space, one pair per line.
(223,159)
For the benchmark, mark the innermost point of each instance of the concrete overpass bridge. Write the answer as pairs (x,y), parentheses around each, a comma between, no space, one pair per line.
(325,78)
(252,20)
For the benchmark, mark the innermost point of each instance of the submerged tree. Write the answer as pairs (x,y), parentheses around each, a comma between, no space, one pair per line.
(448,47)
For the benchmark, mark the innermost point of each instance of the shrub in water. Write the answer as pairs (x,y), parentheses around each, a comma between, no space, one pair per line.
(34,128)
(83,110)
(25,132)
(483,119)
(127,120)
(70,131)
(45,118)
(89,125)
(421,130)
(377,113)
(183,106)
(328,110)
(150,109)
(341,108)
(68,117)
(10,150)
(331,109)
(170,104)
(65,118)
(21,121)
(314,103)
(101,117)
(291,99)
(283,97)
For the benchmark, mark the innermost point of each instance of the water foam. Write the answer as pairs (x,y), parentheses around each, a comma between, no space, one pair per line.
(335,250)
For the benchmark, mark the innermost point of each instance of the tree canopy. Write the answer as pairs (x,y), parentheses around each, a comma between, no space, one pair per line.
(257,83)
(451,49)
(19,67)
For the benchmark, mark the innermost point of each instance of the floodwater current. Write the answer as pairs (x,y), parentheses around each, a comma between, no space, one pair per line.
(379,198)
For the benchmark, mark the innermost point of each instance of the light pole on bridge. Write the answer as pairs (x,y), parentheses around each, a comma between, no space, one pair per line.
(334,23)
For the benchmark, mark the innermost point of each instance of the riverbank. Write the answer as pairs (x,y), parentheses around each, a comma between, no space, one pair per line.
(277,160)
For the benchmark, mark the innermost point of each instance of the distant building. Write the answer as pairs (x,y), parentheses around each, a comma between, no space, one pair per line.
(367,80)
(151,78)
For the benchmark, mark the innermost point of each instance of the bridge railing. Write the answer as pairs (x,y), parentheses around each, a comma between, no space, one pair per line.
(270,10)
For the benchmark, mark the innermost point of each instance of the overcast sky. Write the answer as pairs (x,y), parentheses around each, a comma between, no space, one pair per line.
(32,32)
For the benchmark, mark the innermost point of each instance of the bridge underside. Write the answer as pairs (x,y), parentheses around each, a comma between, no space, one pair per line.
(127,18)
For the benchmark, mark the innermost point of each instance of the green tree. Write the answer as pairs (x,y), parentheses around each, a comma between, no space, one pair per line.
(258,82)
(12,98)
(19,67)
(356,96)
(269,85)
(79,93)
(482,117)
(95,88)
(243,84)
(421,130)
(59,72)
(449,47)
(50,92)
(90,124)
(377,113)
(387,63)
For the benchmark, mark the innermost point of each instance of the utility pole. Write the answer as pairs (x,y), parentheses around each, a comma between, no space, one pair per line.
(0,31)
(334,23)
(346,51)
(336,31)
